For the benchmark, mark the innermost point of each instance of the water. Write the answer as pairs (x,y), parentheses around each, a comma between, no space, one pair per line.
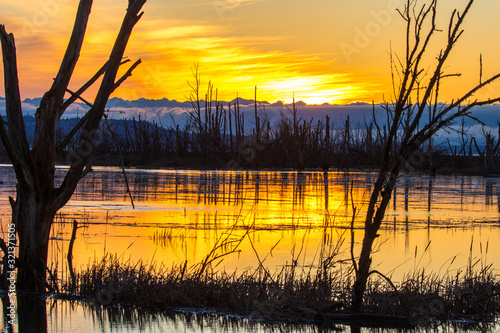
(437,223)
(66,316)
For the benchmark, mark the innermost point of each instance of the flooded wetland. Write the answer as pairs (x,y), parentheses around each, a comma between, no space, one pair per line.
(435,223)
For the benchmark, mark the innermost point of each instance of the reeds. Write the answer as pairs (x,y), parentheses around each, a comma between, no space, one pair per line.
(300,291)
(319,291)
(284,295)
(297,293)
(291,294)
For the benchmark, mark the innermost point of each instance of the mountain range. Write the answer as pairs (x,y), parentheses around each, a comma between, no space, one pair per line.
(117,102)
(168,112)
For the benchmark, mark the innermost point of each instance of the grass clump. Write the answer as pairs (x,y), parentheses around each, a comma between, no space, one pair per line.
(471,296)
(292,293)
(250,293)
(319,292)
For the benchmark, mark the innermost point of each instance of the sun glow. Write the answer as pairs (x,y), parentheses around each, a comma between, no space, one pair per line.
(312,89)
(235,70)
(170,47)
(239,45)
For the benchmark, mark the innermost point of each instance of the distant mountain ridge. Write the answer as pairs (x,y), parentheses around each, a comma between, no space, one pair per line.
(167,103)
(117,102)
(170,113)
(145,103)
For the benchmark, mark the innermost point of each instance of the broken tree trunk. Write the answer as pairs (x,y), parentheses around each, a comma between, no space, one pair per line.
(38,198)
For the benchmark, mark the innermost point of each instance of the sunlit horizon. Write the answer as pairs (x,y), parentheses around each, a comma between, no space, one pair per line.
(319,52)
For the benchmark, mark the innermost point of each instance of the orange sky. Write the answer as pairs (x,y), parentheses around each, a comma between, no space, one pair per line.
(318,50)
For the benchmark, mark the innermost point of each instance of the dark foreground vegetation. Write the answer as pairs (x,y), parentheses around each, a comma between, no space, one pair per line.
(293,294)
(319,293)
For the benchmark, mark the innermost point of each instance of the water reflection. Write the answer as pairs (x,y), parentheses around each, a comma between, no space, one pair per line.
(179,215)
(313,192)
(181,212)
(30,315)
(43,316)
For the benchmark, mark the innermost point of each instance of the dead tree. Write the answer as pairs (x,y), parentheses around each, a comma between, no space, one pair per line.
(416,93)
(38,197)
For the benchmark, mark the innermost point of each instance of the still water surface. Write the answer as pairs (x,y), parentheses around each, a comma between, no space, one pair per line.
(436,223)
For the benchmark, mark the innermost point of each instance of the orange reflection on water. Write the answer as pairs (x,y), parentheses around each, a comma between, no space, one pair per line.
(180,215)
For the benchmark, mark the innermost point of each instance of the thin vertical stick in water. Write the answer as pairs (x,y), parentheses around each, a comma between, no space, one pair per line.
(121,160)
(106,232)
(70,255)
(354,214)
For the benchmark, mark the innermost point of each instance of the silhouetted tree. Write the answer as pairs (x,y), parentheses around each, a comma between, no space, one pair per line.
(415,95)
(38,196)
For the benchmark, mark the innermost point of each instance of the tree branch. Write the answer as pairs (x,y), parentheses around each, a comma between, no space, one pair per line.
(72,54)
(108,85)
(80,91)
(47,115)
(126,75)
(14,135)
(77,94)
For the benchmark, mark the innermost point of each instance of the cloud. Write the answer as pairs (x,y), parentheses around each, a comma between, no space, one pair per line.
(234,64)
(170,47)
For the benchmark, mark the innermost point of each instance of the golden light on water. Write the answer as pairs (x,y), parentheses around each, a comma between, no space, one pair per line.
(180,215)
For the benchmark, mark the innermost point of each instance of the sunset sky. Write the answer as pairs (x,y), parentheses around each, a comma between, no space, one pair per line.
(333,51)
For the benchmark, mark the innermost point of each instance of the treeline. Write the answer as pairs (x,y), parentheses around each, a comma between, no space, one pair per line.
(217,135)
(214,136)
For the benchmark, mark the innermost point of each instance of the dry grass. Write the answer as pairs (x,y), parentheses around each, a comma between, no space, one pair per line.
(291,293)
(318,292)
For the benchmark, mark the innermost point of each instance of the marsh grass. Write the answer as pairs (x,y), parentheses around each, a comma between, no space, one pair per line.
(470,295)
(298,291)
(291,294)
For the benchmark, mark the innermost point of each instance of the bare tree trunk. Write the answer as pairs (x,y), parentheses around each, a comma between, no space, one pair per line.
(32,313)
(38,199)
(383,188)
(406,133)
(33,219)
